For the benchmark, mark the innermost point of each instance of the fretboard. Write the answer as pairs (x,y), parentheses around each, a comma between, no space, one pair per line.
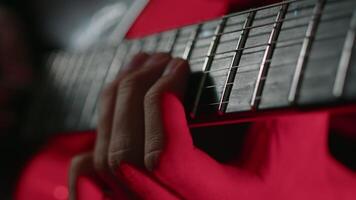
(289,54)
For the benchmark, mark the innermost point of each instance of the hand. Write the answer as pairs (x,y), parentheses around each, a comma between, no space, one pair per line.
(130,125)
(143,125)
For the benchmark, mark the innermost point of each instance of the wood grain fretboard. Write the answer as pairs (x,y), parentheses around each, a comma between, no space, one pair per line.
(293,53)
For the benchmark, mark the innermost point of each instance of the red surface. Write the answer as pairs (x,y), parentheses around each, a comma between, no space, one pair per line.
(283,158)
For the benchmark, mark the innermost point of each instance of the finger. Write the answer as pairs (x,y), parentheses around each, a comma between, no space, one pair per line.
(106,113)
(180,163)
(143,185)
(80,165)
(127,138)
(173,82)
(82,177)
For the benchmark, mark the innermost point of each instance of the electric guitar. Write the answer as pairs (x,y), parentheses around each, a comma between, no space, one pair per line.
(291,56)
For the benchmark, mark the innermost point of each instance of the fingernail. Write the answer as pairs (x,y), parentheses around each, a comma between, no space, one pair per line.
(173,66)
(152,161)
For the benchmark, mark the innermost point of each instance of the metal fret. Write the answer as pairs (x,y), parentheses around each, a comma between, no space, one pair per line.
(166,41)
(117,62)
(207,64)
(150,43)
(173,41)
(263,7)
(190,45)
(54,92)
(238,60)
(235,61)
(266,58)
(65,85)
(115,66)
(303,56)
(95,88)
(345,60)
(82,85)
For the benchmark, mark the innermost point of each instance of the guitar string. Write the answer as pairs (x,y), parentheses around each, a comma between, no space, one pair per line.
(231,83)
(238,30)
(240,66)
(275,5)
(265,24)
(253,64)
(225,52)
(233,51)
(283,29)
(233,24)
(230,51)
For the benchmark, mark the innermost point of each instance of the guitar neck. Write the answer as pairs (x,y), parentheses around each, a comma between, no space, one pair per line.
(289,54)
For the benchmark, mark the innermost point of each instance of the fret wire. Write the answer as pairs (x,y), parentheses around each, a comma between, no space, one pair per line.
(159,37)
(257,92)
(235,23)
(212,55)
(266,24)
(131,51)
(235,61)
(307,44)
(140,46)
(270,23)
(231,83)
(253,70)
(207,64)
(229,51)
(262,8)
(94,91)
(74,74)
(117,60)
(247,71)
(257,26)
(165,41)
(345,59)
(147,42)
(290,10)
(235,66)
(191,43)
(175,37)
(238,66)
(80,85)
(64,91)
(293,42)
(217,86)
(59,76)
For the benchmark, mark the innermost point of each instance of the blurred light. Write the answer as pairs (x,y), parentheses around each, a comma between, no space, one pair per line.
(101,22)
(60,192)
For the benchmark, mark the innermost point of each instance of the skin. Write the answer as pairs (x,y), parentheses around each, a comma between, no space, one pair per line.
(129,127)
